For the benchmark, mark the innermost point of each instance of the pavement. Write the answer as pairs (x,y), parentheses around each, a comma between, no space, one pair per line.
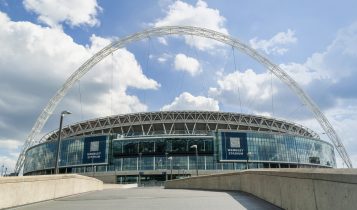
(154,198)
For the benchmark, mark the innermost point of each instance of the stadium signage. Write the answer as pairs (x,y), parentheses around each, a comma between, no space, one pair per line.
(233,146)
(95,148)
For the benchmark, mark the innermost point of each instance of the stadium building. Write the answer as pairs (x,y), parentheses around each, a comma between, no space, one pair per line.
(154,146)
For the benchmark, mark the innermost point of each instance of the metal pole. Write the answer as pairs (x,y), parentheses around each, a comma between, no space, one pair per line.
(171,167)
(92,167)
(196,161)
(5,171)
(247,162)
(58,145)
(2,169)
(59,141)
(248,154)
(139,181)
(196,151)
(170,158)
(140,154)
(166,165)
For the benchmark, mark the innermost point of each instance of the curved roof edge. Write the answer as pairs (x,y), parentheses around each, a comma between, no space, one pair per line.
(179,122)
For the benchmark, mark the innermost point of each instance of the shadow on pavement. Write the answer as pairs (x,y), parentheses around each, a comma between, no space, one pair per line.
(245,199)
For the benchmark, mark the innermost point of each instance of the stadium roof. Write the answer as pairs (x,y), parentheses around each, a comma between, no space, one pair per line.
(179,122)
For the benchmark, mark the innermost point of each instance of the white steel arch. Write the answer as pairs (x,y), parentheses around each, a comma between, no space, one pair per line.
(181,30)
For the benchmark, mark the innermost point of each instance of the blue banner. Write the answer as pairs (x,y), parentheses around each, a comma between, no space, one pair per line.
(233,146)
(95,148)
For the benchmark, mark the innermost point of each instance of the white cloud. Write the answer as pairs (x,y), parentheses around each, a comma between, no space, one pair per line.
(124,67)
(120,104)
(265,114)
(248,84)
(329,77)
(302,74)
(48,57)
(181,13)
(39,59)
(8,162)
(162,40)
(339,60)
(41,62)
(276,43)
(188,64)
(161,60)
(186,101)
(72,12)
(8,154)
(10,144)
(252,92)
(164,57)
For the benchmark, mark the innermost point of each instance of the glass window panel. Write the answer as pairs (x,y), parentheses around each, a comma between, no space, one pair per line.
(201,162)
(179,146)
(130,148)
(130,164)
(147,163)
(160,147)
(146,147)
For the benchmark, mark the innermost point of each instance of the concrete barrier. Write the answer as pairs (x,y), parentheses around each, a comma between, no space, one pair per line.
(119,186)
(287,188)
(15,191)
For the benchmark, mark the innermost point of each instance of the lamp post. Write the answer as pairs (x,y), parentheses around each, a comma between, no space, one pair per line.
(59,140)
(166,165)
(195,146)
(170,158)
(248,154)
(92,167)
(139,181)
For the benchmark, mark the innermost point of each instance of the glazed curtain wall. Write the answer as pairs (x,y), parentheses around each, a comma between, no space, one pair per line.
(74,151)
(287,148)
(151,153)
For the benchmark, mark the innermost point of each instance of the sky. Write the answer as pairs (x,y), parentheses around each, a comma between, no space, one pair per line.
(42,42)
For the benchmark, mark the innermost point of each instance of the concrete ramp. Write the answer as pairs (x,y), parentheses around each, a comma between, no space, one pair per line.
(16,191)
(287,188)
(154,198)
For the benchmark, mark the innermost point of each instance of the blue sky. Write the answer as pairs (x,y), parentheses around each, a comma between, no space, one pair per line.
(43,42)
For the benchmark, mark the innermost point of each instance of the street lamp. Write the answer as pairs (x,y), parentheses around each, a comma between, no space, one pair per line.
(195,146)
(59,140)
(139,181)
(166,153)
(92,166)
(170,158)
(248,154)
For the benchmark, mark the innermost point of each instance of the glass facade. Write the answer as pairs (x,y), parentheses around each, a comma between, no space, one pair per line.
(43,156)
(289,149)
(151,153)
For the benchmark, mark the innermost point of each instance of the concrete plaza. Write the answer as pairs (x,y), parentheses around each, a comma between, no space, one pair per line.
(153,198)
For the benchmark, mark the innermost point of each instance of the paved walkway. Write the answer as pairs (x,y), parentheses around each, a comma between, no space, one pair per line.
(154,198)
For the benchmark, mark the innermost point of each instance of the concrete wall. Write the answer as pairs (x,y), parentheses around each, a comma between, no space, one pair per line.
(15,191)
(287,188)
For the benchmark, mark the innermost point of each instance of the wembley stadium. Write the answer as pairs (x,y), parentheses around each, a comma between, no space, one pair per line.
(153,147)
(156,146)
